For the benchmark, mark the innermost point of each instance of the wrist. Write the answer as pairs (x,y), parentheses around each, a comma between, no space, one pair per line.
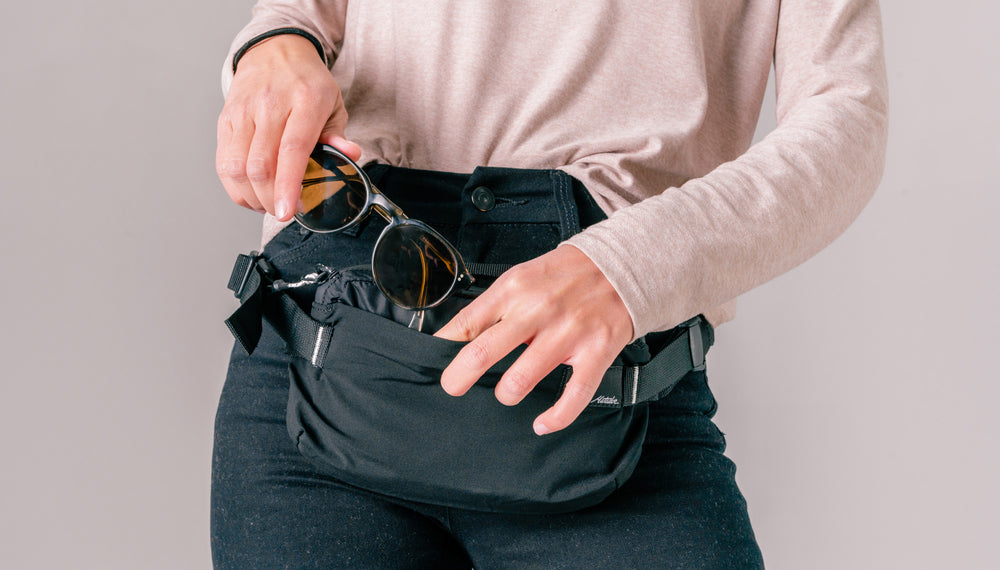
(289,40)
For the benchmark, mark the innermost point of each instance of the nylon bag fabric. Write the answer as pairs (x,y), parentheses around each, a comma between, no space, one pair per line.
(375,416)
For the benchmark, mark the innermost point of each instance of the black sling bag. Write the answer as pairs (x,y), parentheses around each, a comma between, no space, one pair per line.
(365,405)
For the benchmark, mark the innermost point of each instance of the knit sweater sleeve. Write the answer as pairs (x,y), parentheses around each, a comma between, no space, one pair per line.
(695,247)
(323,22)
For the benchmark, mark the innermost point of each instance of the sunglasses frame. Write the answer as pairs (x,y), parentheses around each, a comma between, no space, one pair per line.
(376,201)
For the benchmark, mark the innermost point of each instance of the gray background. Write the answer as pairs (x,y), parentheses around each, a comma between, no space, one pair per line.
(858,391)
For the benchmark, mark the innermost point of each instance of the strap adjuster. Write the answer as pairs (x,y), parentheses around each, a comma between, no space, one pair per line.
(242,271)
(696,344)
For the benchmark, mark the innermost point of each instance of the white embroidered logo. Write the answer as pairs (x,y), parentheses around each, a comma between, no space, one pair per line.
(605,401)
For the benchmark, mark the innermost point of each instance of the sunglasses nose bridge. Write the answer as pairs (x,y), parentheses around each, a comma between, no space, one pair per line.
(385,207)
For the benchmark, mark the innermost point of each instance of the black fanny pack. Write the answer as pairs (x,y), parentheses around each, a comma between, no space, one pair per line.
(365,404)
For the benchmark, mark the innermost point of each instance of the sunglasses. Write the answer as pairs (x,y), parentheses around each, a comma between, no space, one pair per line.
(414,266)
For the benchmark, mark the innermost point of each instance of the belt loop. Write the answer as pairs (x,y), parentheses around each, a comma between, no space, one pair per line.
(569,216)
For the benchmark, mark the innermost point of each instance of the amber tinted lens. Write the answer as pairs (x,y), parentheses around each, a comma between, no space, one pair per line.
(414,267)
(333,193)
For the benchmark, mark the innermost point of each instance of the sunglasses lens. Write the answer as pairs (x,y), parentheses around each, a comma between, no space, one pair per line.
(333,193)
(413,267)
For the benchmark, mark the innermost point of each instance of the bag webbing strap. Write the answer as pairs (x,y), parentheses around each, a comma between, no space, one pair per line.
(251,280)
(307,338)
(630,385)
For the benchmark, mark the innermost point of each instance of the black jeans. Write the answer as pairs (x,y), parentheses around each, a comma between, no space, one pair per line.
(272,508)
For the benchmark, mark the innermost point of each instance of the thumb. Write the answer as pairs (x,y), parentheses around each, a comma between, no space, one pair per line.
(333,133)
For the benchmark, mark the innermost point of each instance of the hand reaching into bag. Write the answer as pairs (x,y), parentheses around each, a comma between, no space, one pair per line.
(564,309)
(282,100)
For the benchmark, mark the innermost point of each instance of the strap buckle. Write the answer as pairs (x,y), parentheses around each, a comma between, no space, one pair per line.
(242,271)
(697,345)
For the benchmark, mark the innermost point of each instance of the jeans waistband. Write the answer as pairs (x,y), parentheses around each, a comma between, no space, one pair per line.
(489,195)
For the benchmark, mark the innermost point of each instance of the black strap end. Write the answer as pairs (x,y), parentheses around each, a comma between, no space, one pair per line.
(246,322)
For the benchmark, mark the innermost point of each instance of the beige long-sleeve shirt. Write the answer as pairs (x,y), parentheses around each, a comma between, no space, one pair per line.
(651,104)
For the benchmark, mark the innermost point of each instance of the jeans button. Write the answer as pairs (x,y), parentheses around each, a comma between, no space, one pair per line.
(483,199)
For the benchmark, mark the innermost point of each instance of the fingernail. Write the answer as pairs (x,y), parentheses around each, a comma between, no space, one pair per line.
(541,429)
(281,211)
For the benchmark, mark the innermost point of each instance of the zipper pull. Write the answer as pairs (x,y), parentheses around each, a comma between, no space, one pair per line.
(320,276)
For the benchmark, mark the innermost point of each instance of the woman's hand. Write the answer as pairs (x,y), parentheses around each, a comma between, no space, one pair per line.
(282,100)
(564,309)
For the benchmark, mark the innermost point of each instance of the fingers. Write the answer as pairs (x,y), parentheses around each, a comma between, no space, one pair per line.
(565,310)
(576,396)
(543,354)
(488,346)
(490,338)
(233,145)
(351,149)
(281,100)
(262,156)
(333,131)
(471,321)
(540,358)
(488,343)
(292,155)
(535,363)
